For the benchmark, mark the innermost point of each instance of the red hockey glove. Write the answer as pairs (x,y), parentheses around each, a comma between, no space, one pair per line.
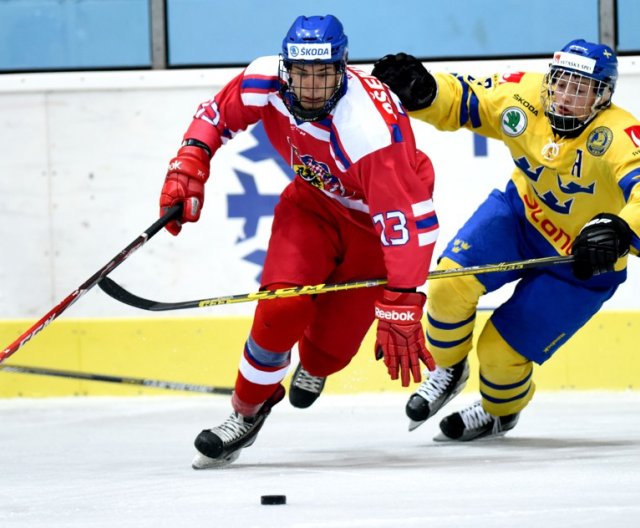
(400,339)
(184,184)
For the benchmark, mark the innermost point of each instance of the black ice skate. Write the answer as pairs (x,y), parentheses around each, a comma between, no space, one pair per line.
(442,385)
(474,423)
(304,388)
(220,446)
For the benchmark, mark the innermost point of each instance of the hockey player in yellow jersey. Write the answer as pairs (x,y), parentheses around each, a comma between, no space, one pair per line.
(575,189)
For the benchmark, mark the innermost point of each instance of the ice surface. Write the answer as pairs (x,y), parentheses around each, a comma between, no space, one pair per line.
(348,461)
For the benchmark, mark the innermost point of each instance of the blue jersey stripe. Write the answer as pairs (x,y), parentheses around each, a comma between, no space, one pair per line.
(449,326)
(324,123)
(505,400)
(428,222)
(396,133)
(628,183)
(474,110)
(337,150)
(464,111)
(505,387)
(261,84)
(448,344)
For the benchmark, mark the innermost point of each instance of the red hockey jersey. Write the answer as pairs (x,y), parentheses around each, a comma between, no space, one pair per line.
(362,156)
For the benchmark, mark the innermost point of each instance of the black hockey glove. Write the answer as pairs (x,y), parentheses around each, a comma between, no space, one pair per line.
(602,241)
(408,78)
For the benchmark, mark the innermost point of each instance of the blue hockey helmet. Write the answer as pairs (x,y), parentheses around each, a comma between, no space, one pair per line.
(579,67)
(313,40)
(316,38)
(601,62)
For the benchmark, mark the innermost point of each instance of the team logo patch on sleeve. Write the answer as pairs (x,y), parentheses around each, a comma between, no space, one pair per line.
(634,134)
(513,77)
(599,141)
(514,121)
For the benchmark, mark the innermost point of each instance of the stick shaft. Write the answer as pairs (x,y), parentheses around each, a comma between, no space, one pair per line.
(119,293)
(143,382)
(515,265)
(55,312)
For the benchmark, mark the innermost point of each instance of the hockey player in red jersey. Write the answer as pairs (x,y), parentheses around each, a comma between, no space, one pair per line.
(359,207)
(575,188)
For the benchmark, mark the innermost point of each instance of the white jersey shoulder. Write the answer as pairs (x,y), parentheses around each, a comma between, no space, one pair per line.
(260,82)
(358,125)
(358,122)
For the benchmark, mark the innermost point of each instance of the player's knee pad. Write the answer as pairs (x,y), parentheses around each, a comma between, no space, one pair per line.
(279,323)
(506,382)
(319,362)
(451,310)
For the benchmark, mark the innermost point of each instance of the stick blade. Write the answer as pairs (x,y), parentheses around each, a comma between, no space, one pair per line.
(117,292)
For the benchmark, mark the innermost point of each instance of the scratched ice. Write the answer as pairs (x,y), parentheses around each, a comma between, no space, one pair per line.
(349,461)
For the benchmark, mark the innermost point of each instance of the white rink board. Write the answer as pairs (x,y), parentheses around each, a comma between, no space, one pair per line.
(83,157)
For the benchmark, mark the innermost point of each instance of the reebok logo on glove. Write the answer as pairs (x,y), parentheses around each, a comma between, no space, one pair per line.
(400,338)
(393,315)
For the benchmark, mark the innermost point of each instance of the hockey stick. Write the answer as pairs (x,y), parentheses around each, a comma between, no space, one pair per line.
(90,282)
(113,289)
(151,383)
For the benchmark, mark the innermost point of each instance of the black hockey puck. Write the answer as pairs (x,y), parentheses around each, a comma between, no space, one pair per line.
(273,499)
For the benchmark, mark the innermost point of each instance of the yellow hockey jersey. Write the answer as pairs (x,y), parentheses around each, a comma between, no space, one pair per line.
(562,182)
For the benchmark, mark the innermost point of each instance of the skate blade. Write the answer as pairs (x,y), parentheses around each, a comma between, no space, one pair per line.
(414,425)
(201,461)
(441,437)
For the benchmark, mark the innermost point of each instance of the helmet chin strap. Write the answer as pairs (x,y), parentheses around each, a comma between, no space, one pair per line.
(301,114)
(567,126)
(570,127)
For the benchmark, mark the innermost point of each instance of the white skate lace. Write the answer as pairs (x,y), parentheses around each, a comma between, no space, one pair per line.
(233,428)
(438,382)
(475,417)
(306,381)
